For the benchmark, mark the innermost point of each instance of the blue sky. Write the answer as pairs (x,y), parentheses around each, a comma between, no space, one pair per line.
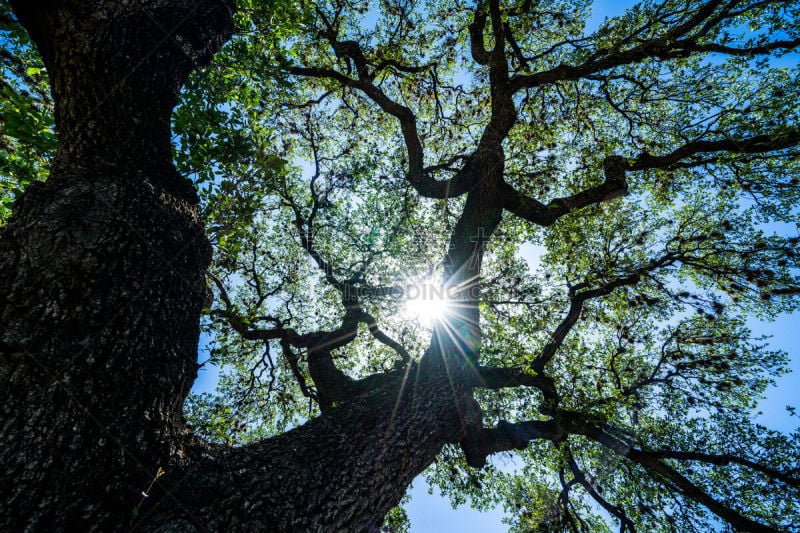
(433,513)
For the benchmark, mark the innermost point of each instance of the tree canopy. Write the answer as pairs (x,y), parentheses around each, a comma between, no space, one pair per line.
(595,214)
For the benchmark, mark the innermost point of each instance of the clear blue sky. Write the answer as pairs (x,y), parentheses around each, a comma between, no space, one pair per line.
(433,514)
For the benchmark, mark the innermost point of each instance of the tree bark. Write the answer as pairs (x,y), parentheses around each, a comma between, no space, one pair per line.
(342,471)
(102,280)
(102,267)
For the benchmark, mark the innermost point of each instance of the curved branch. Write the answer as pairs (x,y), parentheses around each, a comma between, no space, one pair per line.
(780,140)
(546,214)
(576,423)
(616,510)
(694,492)
(383,338)
(722,460)
(573,315)
(615,167)
(663,47)
(419,177)
(506,437)
(476,29)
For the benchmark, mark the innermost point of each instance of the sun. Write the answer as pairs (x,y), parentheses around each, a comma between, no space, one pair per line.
(426,303)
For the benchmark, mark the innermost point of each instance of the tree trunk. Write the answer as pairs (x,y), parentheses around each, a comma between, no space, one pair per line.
(102,267)
(342,471)
(102,277)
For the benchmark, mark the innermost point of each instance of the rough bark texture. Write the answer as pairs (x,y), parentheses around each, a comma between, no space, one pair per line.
(102,280)
(102,267)
(340,472)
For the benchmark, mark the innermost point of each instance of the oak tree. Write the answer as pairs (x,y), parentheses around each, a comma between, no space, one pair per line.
(413,237)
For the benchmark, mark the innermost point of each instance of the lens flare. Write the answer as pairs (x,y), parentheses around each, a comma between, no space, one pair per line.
(426,303)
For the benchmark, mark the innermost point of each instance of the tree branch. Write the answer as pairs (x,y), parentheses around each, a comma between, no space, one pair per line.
(417,175)
(747,51)
(615,167)
(664,47)
(506,437)
(721,460)
(497,378)
(545,215)
(626,523)
(476,29)
(573,315)
(383,338)
(787,138)
(576,423)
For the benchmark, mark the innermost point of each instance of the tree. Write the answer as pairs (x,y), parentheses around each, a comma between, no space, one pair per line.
(348,156)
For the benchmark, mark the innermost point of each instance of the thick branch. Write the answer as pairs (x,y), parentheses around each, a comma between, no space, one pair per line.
(615,167)
(692,491)
(534,211)
(789,478)
(476,29)
(781,140)
(341,471)
(506,437)
(497,378)
(744,51)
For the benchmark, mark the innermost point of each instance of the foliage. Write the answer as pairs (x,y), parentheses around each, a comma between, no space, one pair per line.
(27,139)
(652,160)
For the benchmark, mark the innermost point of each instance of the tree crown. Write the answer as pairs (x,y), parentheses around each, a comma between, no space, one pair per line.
(604,210)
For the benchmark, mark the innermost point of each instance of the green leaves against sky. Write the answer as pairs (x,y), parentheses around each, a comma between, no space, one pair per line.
(301,163)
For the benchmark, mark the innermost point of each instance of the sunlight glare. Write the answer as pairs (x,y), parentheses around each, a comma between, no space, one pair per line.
(426,303)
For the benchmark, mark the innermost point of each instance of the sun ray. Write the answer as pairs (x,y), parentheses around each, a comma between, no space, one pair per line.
(427,303)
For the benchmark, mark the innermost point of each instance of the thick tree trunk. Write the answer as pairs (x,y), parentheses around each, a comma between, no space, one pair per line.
(342,471)
(102,284)
(102,267)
